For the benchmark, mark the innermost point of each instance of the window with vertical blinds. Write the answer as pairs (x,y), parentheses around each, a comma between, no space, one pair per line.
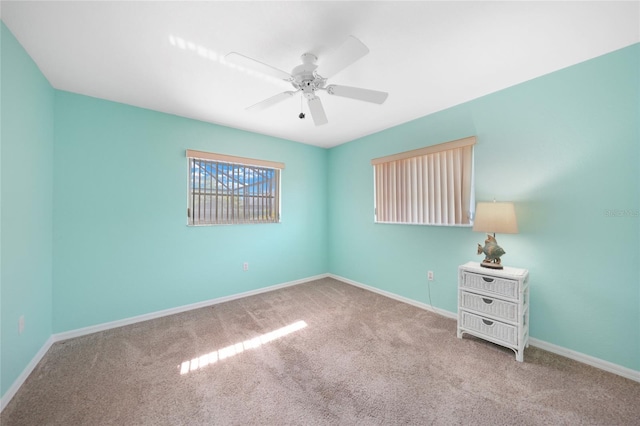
(226,190)
(427,186)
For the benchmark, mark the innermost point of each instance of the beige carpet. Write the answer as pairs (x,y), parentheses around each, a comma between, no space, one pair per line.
(358,358)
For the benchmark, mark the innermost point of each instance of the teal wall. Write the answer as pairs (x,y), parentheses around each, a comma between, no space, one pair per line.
(26,210)
(93,225)
(121,244)
(565,148)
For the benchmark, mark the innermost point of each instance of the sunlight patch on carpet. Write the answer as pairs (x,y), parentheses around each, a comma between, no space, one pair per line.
(235,349)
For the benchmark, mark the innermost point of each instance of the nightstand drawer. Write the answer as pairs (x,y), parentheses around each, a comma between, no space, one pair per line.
(488,305)
(499,286)
(495,329)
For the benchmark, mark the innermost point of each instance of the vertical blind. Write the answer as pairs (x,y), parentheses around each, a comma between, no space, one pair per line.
(230,190)
(429,186)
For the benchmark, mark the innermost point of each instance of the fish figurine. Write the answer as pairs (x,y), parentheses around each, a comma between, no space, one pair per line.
(492,252)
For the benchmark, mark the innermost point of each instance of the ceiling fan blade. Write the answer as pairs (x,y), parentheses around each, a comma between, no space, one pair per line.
(250,63)
(317,111)
(269,102)
(348,52)
(366,95)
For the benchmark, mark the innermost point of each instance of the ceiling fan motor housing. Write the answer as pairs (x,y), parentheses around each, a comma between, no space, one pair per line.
(305,78)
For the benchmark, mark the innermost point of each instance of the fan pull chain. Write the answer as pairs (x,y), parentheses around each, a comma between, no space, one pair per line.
(301,115)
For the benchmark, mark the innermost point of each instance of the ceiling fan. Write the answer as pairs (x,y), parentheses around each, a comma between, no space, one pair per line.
(309,77)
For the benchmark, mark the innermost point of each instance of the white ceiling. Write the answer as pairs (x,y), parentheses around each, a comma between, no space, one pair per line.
(428,55)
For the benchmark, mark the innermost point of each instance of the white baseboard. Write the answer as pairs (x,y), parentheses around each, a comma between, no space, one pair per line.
(568,353)
(559,350)
(184,308)
(397,297)
(11,392)
(587,359)
(4,401)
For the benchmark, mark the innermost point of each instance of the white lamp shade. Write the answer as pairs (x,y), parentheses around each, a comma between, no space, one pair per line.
(495,218)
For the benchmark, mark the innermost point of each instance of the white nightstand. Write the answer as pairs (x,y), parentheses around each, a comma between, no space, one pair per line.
(494,305)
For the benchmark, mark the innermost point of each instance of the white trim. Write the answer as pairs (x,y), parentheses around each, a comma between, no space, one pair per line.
(397,297)
(11,392)
(158,314)
(558,350)
(587,359)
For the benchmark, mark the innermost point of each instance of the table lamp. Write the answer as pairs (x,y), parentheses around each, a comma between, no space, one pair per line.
(492,217)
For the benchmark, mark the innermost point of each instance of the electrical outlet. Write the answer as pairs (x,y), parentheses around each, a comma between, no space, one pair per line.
(21,324)
(430,275)
(245,266)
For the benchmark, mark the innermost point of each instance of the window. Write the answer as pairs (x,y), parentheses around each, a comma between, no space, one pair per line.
(230,190)
(427,186)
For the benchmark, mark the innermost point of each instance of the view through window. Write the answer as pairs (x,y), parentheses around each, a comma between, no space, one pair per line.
(232,190)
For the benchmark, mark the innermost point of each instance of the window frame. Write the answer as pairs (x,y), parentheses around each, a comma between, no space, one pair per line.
(232,161)
(402,197)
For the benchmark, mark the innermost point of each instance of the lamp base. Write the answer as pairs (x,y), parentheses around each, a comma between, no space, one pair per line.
(492,252)
(490,265)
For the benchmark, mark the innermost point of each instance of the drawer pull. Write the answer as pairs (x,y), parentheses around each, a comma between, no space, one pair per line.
(487,301)
(487,280)
(487,322)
